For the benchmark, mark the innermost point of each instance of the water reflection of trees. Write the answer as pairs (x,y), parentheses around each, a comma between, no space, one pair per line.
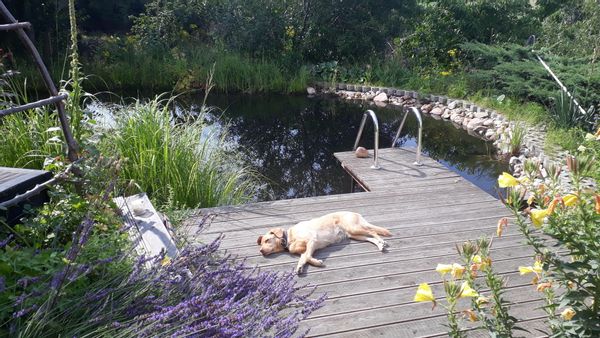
(291,141)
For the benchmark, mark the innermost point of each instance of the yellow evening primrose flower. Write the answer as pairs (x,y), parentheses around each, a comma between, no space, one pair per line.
(467,291)
(568,313)
(581,148)
(590,137)
(570,200)
(538,215)
(530,199)
(538,267)
(444,269)
(523,270)
(507,180)
(457,270)
(424,294)
(477,259)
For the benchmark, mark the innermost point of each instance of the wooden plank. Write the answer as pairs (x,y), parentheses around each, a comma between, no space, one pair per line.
(150,235)
(411,196)
(442,210)
(244,238)
(408,320)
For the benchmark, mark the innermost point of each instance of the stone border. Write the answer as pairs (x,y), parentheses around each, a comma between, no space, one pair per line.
(487,124)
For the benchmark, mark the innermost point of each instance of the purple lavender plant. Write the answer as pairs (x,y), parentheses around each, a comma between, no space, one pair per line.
(203,294)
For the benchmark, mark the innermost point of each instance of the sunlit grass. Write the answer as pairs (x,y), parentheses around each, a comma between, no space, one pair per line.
(180,164)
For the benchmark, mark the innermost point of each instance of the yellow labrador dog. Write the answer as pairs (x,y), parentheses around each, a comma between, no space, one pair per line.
(306,237)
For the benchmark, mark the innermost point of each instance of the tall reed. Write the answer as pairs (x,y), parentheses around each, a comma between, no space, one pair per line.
(179,164)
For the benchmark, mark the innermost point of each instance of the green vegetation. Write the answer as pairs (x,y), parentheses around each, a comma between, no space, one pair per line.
(67,268)
(180,164)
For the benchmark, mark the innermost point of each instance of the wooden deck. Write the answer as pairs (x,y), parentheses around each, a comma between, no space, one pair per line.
(427,208)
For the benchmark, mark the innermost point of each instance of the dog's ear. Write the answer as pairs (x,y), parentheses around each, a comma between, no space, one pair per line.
(277,232)
(259,240)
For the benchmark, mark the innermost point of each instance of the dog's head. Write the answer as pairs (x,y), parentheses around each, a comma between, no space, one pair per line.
(271,242)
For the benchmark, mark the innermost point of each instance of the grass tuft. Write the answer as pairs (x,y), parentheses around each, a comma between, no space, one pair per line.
(180,164)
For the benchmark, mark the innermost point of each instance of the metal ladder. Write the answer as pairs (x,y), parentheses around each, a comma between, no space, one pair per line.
(373,116)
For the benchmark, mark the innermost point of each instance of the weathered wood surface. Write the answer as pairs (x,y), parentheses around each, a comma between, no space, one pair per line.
(428,209)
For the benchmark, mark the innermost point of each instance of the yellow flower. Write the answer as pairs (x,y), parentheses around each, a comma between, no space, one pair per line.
(445,73)
(538,215)
(481,300)
(581,148)
(502,223)
(523,270)
(477,259)
(570,199)
(507,180)
(443,269)
(538,267)
(456,270)
(467,291)
(568,313)
(530,199)
(424,294)
(165,261)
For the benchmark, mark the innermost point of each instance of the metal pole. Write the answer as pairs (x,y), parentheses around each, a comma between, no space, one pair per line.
(562,86)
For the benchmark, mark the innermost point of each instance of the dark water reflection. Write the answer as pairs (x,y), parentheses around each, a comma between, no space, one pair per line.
(290,140)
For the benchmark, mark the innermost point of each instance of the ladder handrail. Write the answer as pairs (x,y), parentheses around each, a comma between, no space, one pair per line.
(376,127)
(420,137)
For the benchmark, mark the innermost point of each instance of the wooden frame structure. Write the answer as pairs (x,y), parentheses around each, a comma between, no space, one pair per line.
(55,97)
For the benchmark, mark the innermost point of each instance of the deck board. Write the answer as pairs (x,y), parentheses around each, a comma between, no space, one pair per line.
(429,209)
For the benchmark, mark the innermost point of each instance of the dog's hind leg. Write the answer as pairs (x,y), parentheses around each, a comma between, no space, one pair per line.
(307,257)
(379,242)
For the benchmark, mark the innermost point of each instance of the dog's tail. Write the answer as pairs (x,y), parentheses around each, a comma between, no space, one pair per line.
(379,230)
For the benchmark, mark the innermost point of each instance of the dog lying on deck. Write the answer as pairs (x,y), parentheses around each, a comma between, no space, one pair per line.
(306,237)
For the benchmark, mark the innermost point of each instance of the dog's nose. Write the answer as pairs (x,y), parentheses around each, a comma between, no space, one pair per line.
(262,251)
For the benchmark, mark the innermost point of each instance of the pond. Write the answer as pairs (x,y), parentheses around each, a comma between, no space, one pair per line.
(290,141)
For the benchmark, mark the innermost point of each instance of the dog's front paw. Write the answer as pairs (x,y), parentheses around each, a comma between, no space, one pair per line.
(299,270)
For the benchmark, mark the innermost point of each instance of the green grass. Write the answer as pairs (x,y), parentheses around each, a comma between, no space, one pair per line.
(179,164)
(186,68)
(28,137)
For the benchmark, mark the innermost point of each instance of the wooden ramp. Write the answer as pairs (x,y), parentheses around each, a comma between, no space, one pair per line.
(427,208)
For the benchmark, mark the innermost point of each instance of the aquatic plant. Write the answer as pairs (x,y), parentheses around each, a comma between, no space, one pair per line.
(179,163)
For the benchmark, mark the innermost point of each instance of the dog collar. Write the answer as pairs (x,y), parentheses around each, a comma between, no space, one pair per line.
(284,241)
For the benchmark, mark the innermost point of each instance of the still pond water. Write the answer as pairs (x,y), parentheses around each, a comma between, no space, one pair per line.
(290,141)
